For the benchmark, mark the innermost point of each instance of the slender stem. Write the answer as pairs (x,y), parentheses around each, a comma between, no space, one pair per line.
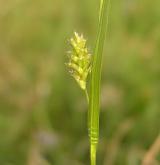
(93,154)
(94,102)
(87,96)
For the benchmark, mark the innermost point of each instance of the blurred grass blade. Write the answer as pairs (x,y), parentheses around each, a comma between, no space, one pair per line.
(94,102)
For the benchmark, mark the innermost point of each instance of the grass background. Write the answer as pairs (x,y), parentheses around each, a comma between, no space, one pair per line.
(42,111)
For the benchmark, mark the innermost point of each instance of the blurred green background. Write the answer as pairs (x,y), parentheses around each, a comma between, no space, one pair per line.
(43,113)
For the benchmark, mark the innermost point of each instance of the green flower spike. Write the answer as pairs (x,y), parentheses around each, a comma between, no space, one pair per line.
(79,60)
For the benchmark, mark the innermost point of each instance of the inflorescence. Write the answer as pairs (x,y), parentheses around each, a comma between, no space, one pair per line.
(79,60)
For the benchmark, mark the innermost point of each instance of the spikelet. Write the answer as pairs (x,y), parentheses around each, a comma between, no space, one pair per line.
(79,60)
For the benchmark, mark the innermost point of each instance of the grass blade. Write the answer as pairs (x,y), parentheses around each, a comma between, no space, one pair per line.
(94,101)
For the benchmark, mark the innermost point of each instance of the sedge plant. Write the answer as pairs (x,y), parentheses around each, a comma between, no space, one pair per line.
(81,64)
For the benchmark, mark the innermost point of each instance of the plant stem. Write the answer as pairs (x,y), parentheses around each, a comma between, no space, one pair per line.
(94,99)
(87,96)
(93,154)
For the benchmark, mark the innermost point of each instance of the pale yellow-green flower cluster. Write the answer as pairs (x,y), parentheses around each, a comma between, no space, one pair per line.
(79,60)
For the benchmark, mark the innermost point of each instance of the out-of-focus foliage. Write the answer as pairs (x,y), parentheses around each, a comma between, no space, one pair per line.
(43,114)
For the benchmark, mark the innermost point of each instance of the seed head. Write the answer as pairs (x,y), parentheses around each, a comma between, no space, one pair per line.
(79,60)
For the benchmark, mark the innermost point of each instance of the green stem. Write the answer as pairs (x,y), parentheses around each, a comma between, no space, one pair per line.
(93,153)
(94,102)
(87,96)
